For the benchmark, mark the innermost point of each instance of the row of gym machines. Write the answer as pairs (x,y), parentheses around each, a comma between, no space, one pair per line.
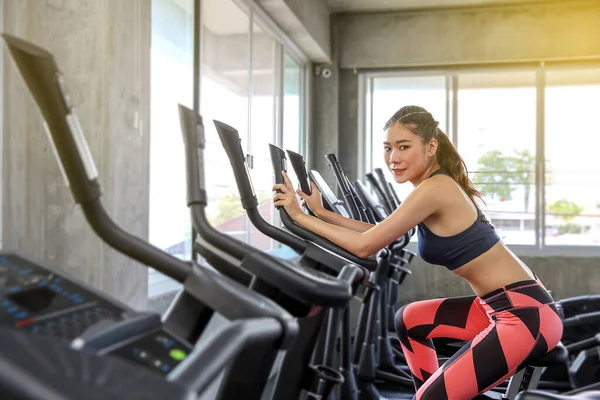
(62,339)
(372,353)
(571,369)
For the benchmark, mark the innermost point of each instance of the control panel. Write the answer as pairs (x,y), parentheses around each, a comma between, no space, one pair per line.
(159,351)
(44,302)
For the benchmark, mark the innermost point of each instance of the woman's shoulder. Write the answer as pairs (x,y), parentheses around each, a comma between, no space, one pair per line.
(430,195)
(444,189)
(438,183)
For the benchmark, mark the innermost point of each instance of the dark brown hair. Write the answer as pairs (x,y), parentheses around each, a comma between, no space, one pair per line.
(422,124)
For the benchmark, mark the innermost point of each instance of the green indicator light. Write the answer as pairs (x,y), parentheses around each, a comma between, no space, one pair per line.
(177,354)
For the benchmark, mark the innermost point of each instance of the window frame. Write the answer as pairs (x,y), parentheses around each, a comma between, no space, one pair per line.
(2,128)
(451,74)
(283,45)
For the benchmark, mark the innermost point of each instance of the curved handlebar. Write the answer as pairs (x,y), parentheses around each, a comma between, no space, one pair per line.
(299,167)
(278,160)
(45,82)
(383,183)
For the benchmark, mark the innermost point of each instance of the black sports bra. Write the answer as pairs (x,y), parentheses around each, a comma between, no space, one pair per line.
(456,250)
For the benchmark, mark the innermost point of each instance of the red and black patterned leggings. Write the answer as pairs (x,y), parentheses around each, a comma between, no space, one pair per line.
(504,329)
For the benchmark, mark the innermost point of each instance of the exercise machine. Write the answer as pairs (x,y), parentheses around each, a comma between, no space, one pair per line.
(296,375)
(526,378)
(61,337)
(372,352)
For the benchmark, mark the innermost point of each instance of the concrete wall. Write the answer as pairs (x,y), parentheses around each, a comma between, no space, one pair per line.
(551,31)
(348,122)
(306,22)
(335,122)
(325,125)
(103,49)
(565,276)
(467,36)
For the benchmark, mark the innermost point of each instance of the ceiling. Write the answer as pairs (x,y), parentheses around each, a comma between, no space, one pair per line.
(336,6)
(224,17)
(221,17)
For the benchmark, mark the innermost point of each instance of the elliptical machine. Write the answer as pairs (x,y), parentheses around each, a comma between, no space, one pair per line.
(95,346)
(334,279)
(526,378)
(372,351)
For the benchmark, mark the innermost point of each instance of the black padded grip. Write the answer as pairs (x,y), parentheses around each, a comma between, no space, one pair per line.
(331,158)
(339,175)
(192,130)
(386,189)
(232,144)
(344,186)
(299,167)
(394,194)
(378,192)
(278,160)
(369,202)
(44,81)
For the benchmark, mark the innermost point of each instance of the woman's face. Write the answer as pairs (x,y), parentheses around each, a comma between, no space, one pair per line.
(405,154)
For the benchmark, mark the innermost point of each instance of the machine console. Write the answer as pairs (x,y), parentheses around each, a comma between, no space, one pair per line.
(46,302)
(42,301)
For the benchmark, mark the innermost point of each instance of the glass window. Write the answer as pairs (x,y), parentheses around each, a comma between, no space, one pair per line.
(389,95)
(291,124)
(292,73)
(572,174)
(497,140)
(262,131)
(224,97)
(172,82)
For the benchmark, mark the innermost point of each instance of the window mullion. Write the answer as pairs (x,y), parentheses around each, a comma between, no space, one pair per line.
(278,99)
(453,134)
(540,232)
(250,95)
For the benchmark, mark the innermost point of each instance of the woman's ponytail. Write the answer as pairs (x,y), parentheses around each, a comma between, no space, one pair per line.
(452,162)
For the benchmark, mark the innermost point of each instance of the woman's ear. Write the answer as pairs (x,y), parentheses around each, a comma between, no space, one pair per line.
(432,147)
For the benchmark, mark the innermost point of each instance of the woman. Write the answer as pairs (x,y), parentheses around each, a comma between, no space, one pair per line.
(510,319)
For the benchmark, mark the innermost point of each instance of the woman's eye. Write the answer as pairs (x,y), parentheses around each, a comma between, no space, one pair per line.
(404,147)
(386,148)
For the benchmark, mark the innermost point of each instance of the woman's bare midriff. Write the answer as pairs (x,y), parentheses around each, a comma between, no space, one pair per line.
(494,269)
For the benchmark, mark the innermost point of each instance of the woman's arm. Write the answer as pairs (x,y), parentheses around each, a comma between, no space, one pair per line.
(418,205)
(314,201)
(340,220)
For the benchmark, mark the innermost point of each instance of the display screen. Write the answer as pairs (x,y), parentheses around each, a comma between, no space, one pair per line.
(34,300)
